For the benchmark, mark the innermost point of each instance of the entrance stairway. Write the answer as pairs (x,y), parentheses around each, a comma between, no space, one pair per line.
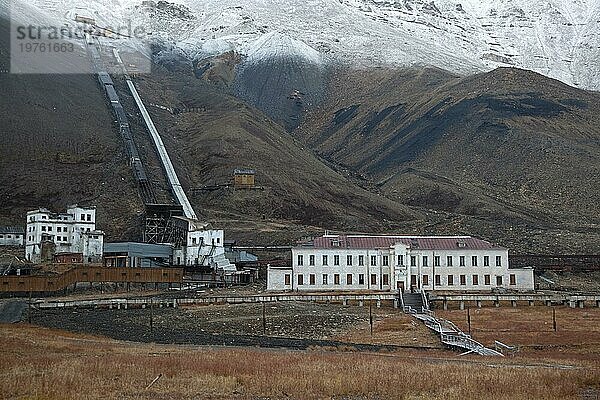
(416,305)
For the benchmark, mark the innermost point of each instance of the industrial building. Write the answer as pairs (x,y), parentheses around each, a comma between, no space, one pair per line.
(398,263)
(12,236)
(52,237)
(137,255)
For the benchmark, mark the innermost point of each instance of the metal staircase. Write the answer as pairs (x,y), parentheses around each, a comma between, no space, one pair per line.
(416,304)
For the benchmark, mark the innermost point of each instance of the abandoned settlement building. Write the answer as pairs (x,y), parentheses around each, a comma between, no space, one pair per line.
(68,237)
(12,236)
(390,263)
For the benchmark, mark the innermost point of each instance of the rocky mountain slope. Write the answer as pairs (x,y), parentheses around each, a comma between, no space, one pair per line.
(509,152)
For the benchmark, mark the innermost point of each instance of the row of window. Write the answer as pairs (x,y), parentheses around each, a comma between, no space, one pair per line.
(385,279)
(195,241)
(82,217)
(10,236)
(462,280)
(59,229)
(413,260)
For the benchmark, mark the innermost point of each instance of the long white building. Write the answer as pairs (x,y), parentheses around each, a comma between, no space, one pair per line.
(391,263)
(49,234)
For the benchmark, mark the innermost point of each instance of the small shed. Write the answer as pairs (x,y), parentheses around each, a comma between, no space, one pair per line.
(243,178)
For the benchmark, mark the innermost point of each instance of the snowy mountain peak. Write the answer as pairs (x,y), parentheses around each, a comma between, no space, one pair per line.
(558,38)
(278,45)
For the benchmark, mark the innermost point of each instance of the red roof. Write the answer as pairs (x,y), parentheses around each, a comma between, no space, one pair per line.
(416,242)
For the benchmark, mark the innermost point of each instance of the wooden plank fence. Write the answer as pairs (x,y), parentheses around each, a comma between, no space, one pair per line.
(48,284)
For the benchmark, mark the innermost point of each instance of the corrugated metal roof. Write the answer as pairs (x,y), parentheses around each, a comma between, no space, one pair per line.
(12,229)
(416,242)
(139,249)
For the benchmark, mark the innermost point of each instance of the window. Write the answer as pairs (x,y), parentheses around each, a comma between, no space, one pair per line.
(474,261)
(348,260)
(373,279)
(361,279)
(89,217)
(218,240)
(312,279)
(43,228)
(461,261)
(425,280)
(413,280)
(44,217)
(498,261)
(513,279)
(65,238)
(83,217)
(349,279)
(300,259)
(486,261)
(463,280)
(487,280)
(450,280)
(425,261)
(475,280)
(449,260)
(336,279)
(413,261)
(336,260)
(386,280)
(438,280)
(361,260)
(58,229)
(385,261)
(311,260)
(300,280)
(436,261)
(193,241)
(325,260)
(498,281)
(287,280)
(373,260)
(400,259)
(325,279)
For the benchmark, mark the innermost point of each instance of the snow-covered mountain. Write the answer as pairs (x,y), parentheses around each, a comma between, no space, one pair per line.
(558,38)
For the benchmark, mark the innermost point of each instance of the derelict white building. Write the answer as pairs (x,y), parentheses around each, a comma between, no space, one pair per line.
(391,263)
(74,232)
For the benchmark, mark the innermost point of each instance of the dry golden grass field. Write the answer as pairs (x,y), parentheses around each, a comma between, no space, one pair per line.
(41,363)
(531,328)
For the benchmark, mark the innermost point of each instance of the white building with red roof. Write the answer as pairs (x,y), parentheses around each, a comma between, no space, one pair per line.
(391,263)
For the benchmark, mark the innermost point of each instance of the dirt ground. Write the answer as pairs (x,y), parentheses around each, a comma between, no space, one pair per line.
(286,324)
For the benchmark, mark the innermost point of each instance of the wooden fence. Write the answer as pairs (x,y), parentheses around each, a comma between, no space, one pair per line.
(38,284)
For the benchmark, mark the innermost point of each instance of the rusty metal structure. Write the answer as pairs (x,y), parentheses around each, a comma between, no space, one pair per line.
(49,284)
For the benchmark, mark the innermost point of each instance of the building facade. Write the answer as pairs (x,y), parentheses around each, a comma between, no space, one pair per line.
(391,263)
(50,235)
(12,236)
(202,246)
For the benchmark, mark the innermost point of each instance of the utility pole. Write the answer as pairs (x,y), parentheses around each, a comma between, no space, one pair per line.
(469,318)
(29,309)
(151,315)
(371,316)
(554,318)
(264,318)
